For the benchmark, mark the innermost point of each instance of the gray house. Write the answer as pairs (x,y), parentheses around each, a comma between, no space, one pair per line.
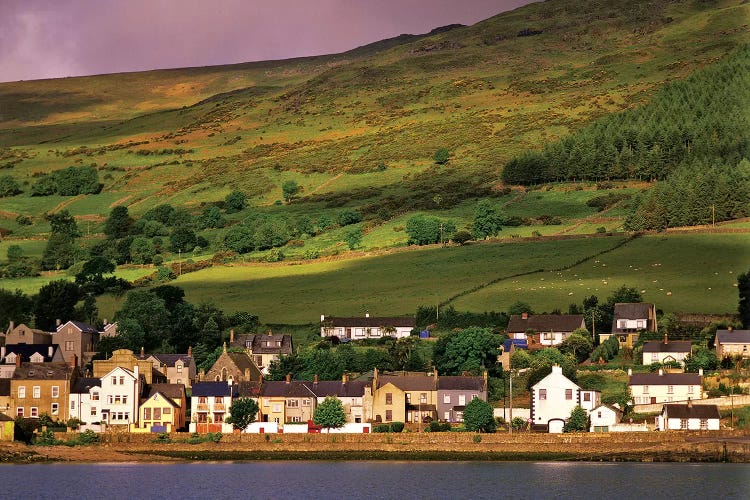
(454,393)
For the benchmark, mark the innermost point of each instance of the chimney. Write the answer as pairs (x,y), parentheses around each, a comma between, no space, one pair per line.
(225,347)
(190,351)
(73,360)
(700,371)
(729,328)
(11,326)
(344,378)
(434,372)
(18,360)
(661,372)
(524,315)
(666,339)
(375,378)
(630,372)
(143,352)
(231,336)
(367,314)
(288,378)
(247,374)
(556,369)
(2,352)
(58,323)
(201,375)
(50,350)
(484,376)
(322,318)
(270,332)
(105,322)
(315,379)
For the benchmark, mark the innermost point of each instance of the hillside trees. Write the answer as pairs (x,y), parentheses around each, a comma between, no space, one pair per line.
(15,306)
(235,202)
(8,186)
(55,300)
(469,350)
(428,229)
(743,288)
(61,251)
(289,190)
(488,220)
(71,181)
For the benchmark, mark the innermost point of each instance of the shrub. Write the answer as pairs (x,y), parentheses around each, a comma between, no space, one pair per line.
(441,156)
(461,237)
(397,426)
(382,428)
(477,438)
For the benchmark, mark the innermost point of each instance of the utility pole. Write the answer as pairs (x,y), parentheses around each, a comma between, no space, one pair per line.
(713,216)
(179,262)
(441,234)
(510,414)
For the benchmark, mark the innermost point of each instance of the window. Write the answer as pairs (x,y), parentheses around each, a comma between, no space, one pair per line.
(296,419)
(587,396)
(568,394)
(542,393)
(461,399)
(276,408)
(408,397)
(218,400)
(423,398)
(55,391)
(36,392)
(125,400)
(447,399)
(599,414)
(446,415)
(683,423)
(292,403)
(147,413)
(94,396)
(117,399)
(55,408)
(654,356)
(388,398)
(93,411)
(549,336)
(21,392)
(670,389)
(704,424)
(166,411)
(110,399)
(266,402)
(157,413)
(179,368)
(68,345)
(690,389)
(305,402)
(122,380)
(19,411)
(645,389)
(388,415)
(73,405)
(277,420)
(34,412)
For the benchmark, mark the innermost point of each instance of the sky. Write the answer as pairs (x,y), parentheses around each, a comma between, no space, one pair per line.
(59,38)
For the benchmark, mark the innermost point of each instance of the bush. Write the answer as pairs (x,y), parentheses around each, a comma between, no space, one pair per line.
(441,156)
(380,428)
(477,438)
(461,237)
(436,426)
(397,426)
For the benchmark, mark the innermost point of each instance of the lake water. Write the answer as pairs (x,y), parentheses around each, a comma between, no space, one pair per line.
(376,480)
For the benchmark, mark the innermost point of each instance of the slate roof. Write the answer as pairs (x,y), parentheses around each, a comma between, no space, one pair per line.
(28,350)
(43,371)
(350,389)
(545,323)
(451,383)
(733,336)
(4,387)
(690,411)
(409,382)
(665,379)
(281,388)
(84,327)
(257,343)
(248,389)
(243,362)
(5,418)
(170,359)
(214,389)
(517,343)
(83,385)
(175,392)
(670,346)
(398,322)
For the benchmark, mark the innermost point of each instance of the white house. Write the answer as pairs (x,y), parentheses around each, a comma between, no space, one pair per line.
(120,396)
(693,417)
(661,387)
(85,401)
(366,328)
(553,399)
(351,393)
(656,351)
(604,417)
(544,330)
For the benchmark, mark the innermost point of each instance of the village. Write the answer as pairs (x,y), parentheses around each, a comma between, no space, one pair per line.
(51,377)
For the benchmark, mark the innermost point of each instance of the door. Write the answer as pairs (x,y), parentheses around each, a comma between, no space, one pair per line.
(653,400)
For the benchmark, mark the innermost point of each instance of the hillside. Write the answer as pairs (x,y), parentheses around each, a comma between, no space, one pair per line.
(356,131)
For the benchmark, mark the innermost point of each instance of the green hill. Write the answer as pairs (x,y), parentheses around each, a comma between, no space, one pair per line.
(356,131)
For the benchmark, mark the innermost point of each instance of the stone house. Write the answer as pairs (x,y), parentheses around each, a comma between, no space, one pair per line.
(357,328)
(286,401)
(37,388)
(176,368)
(125,358)
(77,338)
(731,343)
(454,393)
(235,367)
(22,334)
(409,397)
(544,330)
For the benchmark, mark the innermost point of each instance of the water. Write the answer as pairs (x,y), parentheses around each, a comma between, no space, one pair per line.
(376,480)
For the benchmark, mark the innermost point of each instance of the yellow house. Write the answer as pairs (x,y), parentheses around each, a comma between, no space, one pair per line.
(163,411)
(404,398)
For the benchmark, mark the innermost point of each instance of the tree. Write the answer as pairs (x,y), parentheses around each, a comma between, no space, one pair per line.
(519,307)
(289,190)
(242,413)
(14,306)
(56,300)
(461,237)
(441,156)
(487,220)
(330,413)
(743,288)
(119,223)
(14,253)
(235,202)
(240,239)
(541,365)
(59,253)
(347,217)
(353,238)
(142,251)
(701,358)
(8,186)
(577,346)
(473,350)
(428,229)
(212,218)
(578,421)
(145,309)
(63,223)
(479,416)
(183,239)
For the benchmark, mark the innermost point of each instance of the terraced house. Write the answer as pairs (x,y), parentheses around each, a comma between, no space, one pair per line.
(366,327)
(37,388)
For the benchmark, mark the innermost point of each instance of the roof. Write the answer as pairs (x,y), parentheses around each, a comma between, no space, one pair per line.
(350,389)
(248,389)
(172,401)
(174,392)
(409,382)
(259,344)
(28,350)
(283,389)
(616,410)
(451,383)
(671,346)
(690,410)
(170,359)
(84,327)
(5,418)
(733,336)
(665,379)
(516,343)
(4,387)
(243,362)
(545,323)
(372,322)
(214,389)
(632,310)
(43,371)
(83,385)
